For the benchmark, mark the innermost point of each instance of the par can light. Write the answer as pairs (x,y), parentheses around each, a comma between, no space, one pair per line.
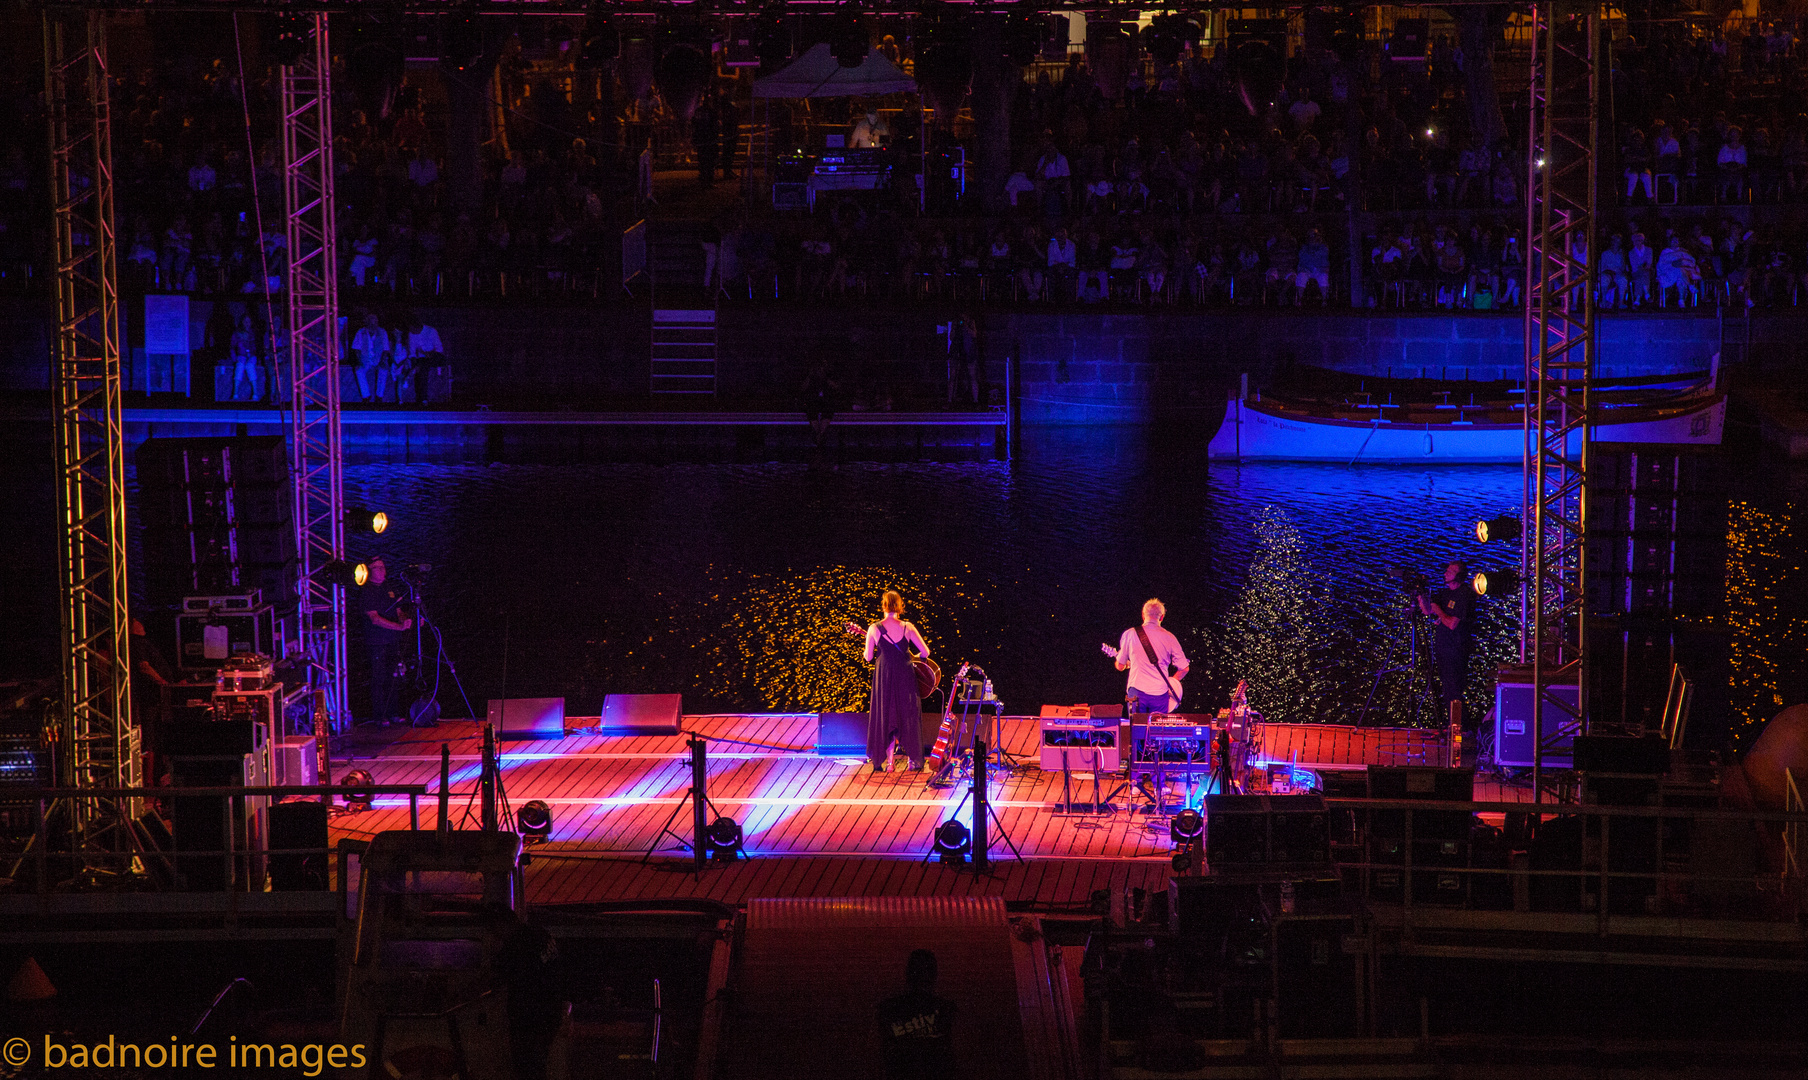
(1496,582)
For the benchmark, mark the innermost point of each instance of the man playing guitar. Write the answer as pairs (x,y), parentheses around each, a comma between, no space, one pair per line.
(1147,652)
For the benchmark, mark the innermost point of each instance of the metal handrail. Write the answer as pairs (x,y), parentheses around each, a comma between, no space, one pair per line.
(1550,809)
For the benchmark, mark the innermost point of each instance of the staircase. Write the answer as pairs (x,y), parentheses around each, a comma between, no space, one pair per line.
(684,311)
(684,350)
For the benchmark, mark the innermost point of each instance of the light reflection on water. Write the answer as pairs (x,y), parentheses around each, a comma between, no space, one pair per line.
(731,583)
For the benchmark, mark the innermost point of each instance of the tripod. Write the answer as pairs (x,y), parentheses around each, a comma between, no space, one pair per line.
(1413,660)
(697,796)
(423,710)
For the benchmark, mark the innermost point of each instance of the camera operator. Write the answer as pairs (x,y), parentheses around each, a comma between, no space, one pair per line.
(1452,610)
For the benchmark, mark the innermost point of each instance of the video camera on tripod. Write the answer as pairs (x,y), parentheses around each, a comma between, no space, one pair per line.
(1414,582)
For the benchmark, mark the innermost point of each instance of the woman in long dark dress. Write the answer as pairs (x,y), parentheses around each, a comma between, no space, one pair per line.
(895,714)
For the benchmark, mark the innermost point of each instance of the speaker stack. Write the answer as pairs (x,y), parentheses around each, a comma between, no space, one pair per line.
(218,518)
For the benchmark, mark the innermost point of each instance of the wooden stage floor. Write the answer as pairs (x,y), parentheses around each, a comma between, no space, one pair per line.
(814,826)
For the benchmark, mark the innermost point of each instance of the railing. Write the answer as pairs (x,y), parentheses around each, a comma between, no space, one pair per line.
(46,802)
(1595,862)
(1795,870)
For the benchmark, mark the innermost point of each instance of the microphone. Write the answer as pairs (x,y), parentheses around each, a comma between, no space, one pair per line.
(419,568)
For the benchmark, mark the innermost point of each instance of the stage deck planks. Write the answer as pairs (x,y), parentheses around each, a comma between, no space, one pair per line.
(816,826)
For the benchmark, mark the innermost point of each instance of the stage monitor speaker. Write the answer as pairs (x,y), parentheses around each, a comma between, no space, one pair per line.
(298,825)
(528,718)
(841,734)
(643,714)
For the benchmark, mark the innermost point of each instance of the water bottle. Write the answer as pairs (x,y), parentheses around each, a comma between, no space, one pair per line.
(1286,898)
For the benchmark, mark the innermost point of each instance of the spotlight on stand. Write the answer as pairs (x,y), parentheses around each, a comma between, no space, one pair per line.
(952,843)
(1498,528)
(1187,830)
(1496,582)
(723,839)
(534,822)
(341,572)
(357,802)
(365,522)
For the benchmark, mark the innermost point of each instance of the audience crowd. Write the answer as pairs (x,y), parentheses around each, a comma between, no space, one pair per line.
(1163,185)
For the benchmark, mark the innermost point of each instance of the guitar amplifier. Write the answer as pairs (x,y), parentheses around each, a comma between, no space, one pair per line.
(1084,747)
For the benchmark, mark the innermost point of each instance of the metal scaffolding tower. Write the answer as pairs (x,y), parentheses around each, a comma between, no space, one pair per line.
(99,743)
(316,461)
(1560,353)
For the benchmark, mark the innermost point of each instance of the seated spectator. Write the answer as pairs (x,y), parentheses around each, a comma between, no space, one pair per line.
(428,355)
(1151,263)
(1614,274)
(1061,263)
(244,362)
(364,256)
(370,352)
(1512,271)
(1640,263)
(1635,156)
(1017,187)
(1314,267)
(1094,262)
(1732,162)
(1677,269)
(1032,265)
(1452,267)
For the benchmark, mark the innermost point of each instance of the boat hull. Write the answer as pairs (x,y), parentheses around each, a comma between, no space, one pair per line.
(1252,431)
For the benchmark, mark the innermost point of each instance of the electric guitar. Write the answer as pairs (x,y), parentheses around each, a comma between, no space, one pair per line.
(1175,690)
(928,672)
(938,754)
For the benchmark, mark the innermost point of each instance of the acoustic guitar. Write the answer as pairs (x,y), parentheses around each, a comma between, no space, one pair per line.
(928,672)
(1175,690)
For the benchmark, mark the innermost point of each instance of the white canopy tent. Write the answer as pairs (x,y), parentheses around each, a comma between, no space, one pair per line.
(818,74)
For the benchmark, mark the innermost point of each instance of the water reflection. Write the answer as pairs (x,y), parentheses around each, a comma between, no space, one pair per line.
(1766,587)
(731,583)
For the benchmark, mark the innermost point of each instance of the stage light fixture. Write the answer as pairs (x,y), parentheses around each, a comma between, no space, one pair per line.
(357,802)
(952,842)
(534,822)
(362,522)
(1187,826)
(342,572)
(723,839)
(1496,582)
(291,38)
(1497,528)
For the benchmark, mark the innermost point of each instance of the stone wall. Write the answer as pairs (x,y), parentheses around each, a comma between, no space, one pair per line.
(1080,367)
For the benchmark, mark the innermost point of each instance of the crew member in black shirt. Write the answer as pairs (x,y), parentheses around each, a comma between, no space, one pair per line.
(1452,610)
(916,1027)
(381,602)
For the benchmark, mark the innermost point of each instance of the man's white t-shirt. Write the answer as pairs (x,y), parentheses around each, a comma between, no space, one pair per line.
(1145,676)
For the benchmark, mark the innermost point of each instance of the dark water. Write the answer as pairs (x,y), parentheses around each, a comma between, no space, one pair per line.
(730,583)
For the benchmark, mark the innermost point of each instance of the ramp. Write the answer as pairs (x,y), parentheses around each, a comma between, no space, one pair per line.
(810,974)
